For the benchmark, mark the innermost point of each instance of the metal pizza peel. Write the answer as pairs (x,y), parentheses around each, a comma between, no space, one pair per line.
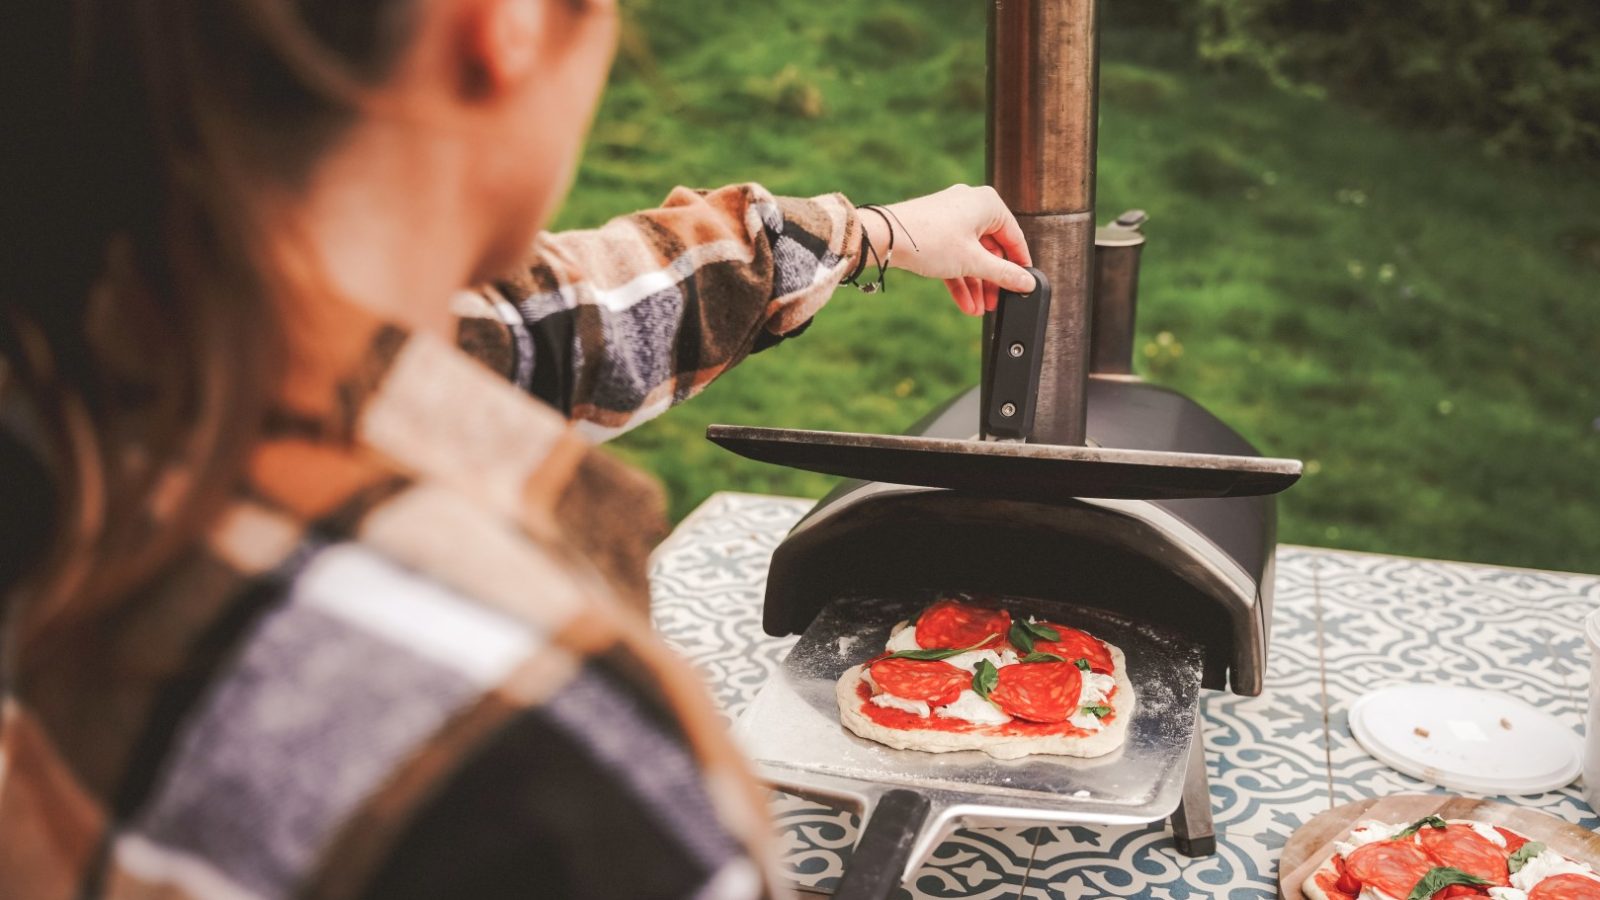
(910,801)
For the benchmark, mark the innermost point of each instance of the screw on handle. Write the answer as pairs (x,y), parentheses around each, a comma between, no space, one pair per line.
(1012,379)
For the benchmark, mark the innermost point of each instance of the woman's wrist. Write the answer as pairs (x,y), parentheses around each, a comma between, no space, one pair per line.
(874,231)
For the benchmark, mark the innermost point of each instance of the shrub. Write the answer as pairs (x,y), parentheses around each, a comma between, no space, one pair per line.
(1522,74)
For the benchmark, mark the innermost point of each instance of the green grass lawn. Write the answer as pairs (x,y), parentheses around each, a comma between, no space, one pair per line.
(1418,323)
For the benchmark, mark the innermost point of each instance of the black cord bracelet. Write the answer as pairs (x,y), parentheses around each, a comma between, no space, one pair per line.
(861,266)
(888,213)
(888,254)
(890,220)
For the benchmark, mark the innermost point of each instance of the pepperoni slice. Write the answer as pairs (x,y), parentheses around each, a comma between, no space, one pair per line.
(1460,847)
(1346,882)
(1566,887)
(1331,887)
(932,680)
(1039,692)
(949,624)
(1075,644)
(1514,841)
(1393,867)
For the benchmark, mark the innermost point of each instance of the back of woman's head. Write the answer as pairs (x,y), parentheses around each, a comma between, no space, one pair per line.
(139,327)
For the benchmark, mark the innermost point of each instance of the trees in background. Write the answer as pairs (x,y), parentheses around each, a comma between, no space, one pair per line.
(1522,75)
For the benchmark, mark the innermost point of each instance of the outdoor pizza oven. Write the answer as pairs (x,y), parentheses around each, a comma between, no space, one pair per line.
(1200,566)
(1061,478)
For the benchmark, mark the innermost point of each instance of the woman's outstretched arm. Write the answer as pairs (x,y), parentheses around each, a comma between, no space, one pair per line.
(614,325)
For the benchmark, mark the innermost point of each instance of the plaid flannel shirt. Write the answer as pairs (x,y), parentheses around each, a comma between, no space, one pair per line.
(402,663)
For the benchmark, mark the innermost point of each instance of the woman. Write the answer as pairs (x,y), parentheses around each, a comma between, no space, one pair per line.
(301,599)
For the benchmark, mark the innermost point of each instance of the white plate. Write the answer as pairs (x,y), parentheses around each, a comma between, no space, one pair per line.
(1466,739)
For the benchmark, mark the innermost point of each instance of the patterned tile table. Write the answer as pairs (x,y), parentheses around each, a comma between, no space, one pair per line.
(1344,623)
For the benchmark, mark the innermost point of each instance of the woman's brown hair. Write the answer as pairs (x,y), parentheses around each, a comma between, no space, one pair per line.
(141,333)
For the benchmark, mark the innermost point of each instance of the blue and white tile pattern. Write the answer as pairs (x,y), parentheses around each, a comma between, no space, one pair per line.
(1343,623)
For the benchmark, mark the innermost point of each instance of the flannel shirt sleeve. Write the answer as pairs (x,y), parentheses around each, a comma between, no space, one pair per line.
(612,326)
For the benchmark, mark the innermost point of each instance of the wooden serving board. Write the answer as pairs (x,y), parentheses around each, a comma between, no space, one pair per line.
(1313,841)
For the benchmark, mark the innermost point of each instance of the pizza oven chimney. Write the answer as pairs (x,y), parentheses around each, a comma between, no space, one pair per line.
(1044,62)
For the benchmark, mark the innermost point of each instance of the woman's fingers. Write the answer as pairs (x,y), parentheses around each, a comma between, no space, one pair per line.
(1002,272)
(991,291)
(962,296)
(1009,237)
(979,289)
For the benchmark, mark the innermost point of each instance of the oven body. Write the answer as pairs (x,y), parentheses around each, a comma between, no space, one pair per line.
(1201,568)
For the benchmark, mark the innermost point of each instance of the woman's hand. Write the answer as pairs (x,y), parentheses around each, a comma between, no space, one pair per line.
(964,235)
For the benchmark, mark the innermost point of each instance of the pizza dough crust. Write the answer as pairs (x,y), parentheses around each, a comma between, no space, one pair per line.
(988,739)
(1311,889)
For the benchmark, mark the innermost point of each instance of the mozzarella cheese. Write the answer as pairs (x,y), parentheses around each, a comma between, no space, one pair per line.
(1096,688)
(1086,721)
(1366,832)
(890,701)
(1545,865)
(1488,833)
(903,638)
(972,708)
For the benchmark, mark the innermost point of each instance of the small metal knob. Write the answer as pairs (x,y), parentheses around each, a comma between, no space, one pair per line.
(1016,349)
(1008,410)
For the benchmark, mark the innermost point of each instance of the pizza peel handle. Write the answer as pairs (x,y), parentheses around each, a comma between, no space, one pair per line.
(878,865)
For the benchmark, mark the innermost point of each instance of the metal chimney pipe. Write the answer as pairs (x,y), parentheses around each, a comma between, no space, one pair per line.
(1043,97)
(1116,294)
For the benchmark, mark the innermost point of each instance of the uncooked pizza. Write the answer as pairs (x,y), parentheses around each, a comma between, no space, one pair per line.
(1435,858)
(962,676)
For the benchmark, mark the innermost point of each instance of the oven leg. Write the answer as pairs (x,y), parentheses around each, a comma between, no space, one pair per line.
(1192,827)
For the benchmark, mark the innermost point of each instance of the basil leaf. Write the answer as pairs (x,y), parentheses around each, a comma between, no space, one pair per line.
(925,654)
(1042,632)
(1081,663)
(937,654)
(1524,853)
(1439,878)
(1418,825)
(1041,656)
(1021,637)
(1098,711)
(984,677)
